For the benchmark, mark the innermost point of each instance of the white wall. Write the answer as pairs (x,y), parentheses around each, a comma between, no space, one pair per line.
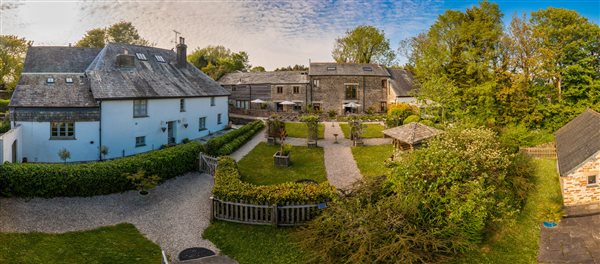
(120,128)
(38,147)
(6,141)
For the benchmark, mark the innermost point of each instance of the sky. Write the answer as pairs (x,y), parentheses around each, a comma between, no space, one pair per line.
(273,33)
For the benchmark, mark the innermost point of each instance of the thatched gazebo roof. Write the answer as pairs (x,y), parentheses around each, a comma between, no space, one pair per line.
(411,134)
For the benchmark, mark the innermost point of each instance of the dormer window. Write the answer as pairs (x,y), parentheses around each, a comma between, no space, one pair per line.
(331,68)
(50,80)
(159,58)
(367,69)
(141,56)
(69,80)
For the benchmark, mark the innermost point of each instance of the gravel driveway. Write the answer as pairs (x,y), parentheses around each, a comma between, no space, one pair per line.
(173,215)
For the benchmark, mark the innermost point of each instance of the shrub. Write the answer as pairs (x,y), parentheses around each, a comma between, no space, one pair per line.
(410,119)
(4,105)
(427,122)
(398,112)
(228,143)
(95,178)
(142,181)
(229,186)
(519,136)
(4,126)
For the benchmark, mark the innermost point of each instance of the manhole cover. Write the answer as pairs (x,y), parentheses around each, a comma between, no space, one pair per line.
(195,253)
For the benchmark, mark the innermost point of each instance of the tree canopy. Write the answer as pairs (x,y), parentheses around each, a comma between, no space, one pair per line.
(364,44)
(296,67)
(12,56)
(122,32)
(258,69)
(216,61)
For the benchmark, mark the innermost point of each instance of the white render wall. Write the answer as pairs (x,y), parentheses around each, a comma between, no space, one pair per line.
(38,147)
(6,142)
(120,128)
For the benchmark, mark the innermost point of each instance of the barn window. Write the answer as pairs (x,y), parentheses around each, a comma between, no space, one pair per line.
(591,180)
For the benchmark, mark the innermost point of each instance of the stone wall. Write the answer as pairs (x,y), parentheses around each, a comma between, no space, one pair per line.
(330,93)
(575,189)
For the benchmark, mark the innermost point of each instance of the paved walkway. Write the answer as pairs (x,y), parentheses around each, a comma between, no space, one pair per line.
(246,148)
(173,215)
(340,165)
(575,240)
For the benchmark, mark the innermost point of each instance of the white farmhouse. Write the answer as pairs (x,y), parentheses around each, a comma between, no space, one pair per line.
(130,99)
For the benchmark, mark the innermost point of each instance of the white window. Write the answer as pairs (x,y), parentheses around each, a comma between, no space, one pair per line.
(50,80)
(202,123)
(331,68)
(212,101)
(219,121)
(140,141)
(69,80)
(316,83)
(140,108)
(159,58)
(141,56)
(591,180)
(182,105)
(62,130)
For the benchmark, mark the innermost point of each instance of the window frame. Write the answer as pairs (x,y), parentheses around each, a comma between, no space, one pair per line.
(219,119)
(212,101)
(136,110)
(355,92)
(595,181)
(142,144)
(316,83)
(141,56)
(202,123)
(50,80)
(62,133)
(181,105)
(296,89)
(279,89)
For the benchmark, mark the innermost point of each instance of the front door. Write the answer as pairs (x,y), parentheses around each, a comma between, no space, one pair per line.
(171,132)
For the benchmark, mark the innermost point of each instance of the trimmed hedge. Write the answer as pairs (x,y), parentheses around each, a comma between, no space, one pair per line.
(4,105)
(229,186)
(96,178)
(228,143)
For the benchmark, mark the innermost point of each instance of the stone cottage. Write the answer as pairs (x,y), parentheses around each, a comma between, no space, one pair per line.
(578,159)
(128,99)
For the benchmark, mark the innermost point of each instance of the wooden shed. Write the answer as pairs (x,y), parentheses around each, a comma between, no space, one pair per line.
(410,136)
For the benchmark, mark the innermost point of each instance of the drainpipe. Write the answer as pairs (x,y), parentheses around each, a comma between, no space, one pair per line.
(250,101)
(100,130)
(364,92)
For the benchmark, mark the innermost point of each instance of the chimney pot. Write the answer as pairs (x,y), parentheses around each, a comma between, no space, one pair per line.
(181,53)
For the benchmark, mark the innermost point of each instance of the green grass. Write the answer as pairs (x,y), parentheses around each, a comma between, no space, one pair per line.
(518,243)
(370,159)
(306,163)
(299,130)
(254,244)
(369,130)
(121,243)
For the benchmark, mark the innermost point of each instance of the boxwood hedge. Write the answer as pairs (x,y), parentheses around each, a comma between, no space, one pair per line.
(96,178)
(228,143)
(229,186)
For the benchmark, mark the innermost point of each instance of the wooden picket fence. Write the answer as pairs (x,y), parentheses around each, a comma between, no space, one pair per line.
(545,151)
(289,214)
(208,164)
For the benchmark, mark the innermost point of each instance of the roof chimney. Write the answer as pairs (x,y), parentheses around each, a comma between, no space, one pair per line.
(181,53)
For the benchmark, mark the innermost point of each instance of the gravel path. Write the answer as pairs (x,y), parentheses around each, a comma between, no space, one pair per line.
(173,215)
(246,148)
(341,167)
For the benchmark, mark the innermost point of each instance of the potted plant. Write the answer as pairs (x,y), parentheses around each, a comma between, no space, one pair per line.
(552,215)
(143,182)
(282,157)
(103,151)
(312,125)
(356,130)
(64,155)
(274,126)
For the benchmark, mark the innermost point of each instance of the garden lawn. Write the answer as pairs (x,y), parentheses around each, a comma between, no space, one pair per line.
(370,159)
(249,244)
(299,130)
(121,243)
(369,130)
(518,243)
(306,163)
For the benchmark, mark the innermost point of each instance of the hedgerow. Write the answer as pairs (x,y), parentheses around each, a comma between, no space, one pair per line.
(229,186)
(228,143)
(95,178)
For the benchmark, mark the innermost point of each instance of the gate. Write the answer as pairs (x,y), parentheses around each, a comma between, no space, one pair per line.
(208,164)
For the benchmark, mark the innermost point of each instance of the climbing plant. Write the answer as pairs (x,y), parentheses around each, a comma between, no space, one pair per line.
(312,125)
(356,129)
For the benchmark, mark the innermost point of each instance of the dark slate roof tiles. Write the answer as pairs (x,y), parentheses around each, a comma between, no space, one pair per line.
(58,59)
(577,141)
(281,77)
(402,81)
(354,69)
(33,91)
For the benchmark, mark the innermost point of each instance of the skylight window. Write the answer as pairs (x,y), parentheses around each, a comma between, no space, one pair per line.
(69,80)
(50,80)
(159,58)
(331,68)
(367,69)
(141,56)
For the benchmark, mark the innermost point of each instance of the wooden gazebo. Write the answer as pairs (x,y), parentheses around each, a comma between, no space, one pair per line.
(410,136)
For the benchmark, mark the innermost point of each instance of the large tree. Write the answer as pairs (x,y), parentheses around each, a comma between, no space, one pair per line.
(216,61)
(12,55)
(122,32)
(296,67)
(364,44)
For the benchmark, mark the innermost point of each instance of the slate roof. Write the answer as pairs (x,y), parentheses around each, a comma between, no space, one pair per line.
(279,77)
(33,91)
(412,133)
(577,141)
(58,59)
(149,78)
(402,81)
(355,69)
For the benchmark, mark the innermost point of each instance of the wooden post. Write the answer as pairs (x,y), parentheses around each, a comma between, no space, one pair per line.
(212,208)
(274,216)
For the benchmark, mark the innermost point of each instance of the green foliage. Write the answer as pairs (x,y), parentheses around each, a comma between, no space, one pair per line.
(331,114)
(410,119)
(369,130)
(121,243)
(258,69)
(229,186)
(122,32)
(553,213)
(519,136)
(356,129)
(142,181)
(94,178)
(274,126)
(299,130)
(257,167)
(312,126)
(4,105)
(216,61)
(371,159)
(228,143)
(398,112)
(364,44)
(4,126)
(64,154)
(12,55)
(296,67)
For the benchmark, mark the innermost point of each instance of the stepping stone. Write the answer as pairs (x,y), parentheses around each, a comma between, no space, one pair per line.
(195,253)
